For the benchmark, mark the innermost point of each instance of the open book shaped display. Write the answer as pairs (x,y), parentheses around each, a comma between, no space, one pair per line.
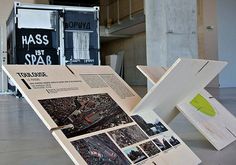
(214,121)
(88,109)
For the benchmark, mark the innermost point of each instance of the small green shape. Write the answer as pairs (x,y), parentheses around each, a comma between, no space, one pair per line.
(202,105)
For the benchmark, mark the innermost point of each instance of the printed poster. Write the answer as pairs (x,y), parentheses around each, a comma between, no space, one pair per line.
(88,110)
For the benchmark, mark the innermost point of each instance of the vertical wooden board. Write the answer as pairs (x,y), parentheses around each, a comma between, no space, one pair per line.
(211,118)
(137,6)
(123,9)
(112,12)
(182,78)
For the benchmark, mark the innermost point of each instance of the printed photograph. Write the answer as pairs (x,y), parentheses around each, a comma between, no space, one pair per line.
(87,113)
(172,140)
(149,123)
(135,154)
(150,148)
(127,136)
(99,149)
(163,144)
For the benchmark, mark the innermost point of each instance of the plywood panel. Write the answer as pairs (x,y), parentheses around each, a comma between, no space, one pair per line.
(211,118)
(137,5)
(88,110)
(153,74)
(184,77)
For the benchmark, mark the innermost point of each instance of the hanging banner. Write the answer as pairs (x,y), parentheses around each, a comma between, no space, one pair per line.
(36,47)
(81,37)
(37,57)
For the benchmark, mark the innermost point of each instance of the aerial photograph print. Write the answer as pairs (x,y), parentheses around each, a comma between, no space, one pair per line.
(99,149)
(87,113)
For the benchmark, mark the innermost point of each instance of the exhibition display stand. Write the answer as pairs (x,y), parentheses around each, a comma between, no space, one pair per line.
(182,87)
(97,118)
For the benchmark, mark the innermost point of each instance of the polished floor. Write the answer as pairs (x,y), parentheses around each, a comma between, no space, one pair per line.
(24,140)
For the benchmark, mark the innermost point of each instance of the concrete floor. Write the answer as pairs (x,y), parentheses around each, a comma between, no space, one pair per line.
(24,140)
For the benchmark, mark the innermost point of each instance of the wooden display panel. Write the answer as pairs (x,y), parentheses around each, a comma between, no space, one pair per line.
(210,117)
(88,110)
(184,77)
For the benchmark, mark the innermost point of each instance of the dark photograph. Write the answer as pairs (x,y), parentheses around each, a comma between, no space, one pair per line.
(150,148)
(135,154)
(128,136)
(87,113)
(162,144)
(173,141)
(149,123)
(99,149)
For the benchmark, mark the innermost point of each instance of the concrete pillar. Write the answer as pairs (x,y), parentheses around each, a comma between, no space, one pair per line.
(171,31)
(226,12)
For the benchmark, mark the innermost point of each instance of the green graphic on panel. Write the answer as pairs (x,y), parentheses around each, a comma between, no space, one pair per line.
(202,105)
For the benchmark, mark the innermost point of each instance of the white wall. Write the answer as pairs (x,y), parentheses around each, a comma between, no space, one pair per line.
(227,40)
